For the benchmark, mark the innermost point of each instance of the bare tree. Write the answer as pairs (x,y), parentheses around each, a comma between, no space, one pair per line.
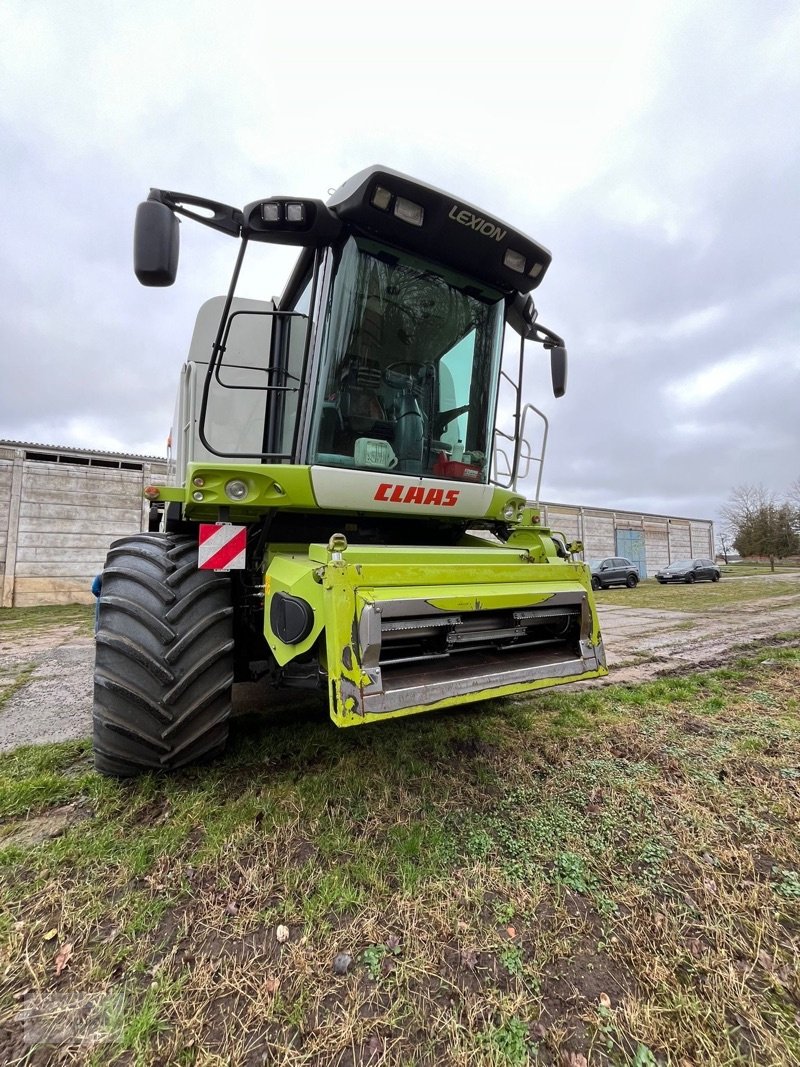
(760,525)
(745,500)
(726,546)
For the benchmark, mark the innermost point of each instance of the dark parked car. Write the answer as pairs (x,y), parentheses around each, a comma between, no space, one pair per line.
(689,570)
(613,571)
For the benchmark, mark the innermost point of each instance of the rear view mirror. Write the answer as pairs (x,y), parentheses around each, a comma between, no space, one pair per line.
(156,242)
(558,369)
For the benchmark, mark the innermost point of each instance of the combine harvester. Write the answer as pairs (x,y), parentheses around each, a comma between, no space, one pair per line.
(335,519)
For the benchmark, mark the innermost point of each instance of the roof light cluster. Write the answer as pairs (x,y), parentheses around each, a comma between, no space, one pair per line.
(284,220)
(516,261)
(281,212)
(405,210)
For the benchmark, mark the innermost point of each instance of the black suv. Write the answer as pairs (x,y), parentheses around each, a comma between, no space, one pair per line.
(615,570)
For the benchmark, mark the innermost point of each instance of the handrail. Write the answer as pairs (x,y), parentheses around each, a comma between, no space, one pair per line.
(529,456)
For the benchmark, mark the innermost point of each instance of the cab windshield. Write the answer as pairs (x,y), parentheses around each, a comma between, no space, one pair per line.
(410,359)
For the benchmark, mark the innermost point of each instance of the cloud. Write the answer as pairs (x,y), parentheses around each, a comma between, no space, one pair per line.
(705,386)
(697,321)
(654,148)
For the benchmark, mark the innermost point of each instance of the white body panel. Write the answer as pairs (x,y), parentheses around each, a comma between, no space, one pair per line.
(235,418)
(388,492)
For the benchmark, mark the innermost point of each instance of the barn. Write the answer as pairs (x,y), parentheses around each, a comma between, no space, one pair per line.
(60,508)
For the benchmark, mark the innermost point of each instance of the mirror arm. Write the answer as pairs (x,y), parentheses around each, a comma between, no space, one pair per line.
(544,336)
(521,314)
(226,219)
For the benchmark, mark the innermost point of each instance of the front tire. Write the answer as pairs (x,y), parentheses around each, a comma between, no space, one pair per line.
(714,577)
(596,583)
(164,658)
(689,579)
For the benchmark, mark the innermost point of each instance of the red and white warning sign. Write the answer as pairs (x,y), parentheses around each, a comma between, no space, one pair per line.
(222,547)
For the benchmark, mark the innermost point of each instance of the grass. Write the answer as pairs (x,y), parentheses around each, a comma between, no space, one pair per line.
(13,679)
(701,596)
(78,616)
(613,874)
(749,569)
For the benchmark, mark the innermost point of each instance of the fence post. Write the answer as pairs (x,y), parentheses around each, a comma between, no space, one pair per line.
(13,530)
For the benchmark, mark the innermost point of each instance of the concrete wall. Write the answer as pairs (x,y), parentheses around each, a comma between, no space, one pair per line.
(657,544)
(59,512)
(667,538)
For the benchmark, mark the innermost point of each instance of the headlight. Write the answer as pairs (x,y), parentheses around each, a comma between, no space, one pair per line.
(236,489)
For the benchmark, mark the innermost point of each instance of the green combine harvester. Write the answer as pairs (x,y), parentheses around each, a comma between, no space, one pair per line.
(342,511)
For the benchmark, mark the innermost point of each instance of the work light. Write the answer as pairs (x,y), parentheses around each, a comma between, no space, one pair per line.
(381,198)
(514,260)
(408,211)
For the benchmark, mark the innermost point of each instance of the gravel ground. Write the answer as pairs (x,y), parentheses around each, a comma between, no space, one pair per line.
(645,643)
(56,702)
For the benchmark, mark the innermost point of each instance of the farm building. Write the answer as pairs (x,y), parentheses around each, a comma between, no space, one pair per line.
(649,541)
(60,508)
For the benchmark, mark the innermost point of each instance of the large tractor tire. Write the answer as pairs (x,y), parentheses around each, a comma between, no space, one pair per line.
(164,658)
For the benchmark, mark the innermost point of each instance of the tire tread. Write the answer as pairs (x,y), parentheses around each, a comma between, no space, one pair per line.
(164,657)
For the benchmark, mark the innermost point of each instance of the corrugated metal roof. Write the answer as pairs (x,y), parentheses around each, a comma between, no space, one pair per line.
(72,451)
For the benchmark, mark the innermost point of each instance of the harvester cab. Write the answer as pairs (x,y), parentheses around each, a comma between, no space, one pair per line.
(343,510)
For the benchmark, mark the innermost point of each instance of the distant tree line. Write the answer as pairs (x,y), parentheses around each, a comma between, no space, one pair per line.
(761,524)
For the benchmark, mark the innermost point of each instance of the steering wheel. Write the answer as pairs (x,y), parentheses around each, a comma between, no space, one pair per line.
(405,373)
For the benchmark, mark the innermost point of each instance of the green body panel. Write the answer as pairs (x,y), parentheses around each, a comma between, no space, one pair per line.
(269,486)
(292,572)
(275,485)
(344,588)
(538,543)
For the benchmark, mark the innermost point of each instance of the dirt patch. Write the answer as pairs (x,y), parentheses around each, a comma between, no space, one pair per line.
(24,833)
(645,643)
(23,645)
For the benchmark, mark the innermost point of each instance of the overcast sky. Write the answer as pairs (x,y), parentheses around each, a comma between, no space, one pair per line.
(654,148)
